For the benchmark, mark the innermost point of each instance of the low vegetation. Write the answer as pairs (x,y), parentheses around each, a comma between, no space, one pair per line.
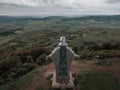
(24,43)
(96,81)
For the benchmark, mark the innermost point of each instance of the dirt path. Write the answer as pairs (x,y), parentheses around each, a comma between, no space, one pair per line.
(39,78)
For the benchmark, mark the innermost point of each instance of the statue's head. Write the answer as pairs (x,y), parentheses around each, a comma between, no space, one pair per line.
(62,41)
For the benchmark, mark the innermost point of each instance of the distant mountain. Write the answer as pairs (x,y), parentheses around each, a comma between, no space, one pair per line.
(96,18)
(7,18)
(104,18)
(10,18)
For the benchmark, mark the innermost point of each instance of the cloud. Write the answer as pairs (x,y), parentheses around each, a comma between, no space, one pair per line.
(18,2)
(59,7)
(114,1)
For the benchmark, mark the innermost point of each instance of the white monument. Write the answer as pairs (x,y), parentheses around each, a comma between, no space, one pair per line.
(62,57)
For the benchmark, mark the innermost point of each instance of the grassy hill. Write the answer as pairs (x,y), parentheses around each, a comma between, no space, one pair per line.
(25,42)
(89,78)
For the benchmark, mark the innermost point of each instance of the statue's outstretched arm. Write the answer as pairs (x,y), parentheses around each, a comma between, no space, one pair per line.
(75,55)
(49,56)
(52,53)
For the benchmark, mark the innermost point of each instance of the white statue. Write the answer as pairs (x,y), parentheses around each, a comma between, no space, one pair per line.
(62,57)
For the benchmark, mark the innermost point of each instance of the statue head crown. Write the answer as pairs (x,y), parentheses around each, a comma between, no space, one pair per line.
(62,41)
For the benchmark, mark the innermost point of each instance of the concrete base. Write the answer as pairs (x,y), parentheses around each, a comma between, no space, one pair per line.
(62,86)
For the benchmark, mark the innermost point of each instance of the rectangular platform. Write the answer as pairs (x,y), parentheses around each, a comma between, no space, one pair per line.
(62,86)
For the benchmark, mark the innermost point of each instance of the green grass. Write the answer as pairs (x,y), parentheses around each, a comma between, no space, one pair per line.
(40,88)
(97,81)
(104,62)
(20,84)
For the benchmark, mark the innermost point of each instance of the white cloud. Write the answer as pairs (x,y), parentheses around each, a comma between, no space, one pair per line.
(114,1)
(59,7)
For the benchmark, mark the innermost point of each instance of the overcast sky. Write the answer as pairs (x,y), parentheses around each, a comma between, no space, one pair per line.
(59,7)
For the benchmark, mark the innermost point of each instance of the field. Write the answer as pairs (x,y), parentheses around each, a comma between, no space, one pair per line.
(25,42)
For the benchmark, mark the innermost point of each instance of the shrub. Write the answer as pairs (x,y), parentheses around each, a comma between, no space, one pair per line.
(41,59)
